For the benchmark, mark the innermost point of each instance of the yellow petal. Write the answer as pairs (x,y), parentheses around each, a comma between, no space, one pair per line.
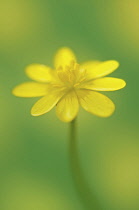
(68,107)
(96,103)
(46,103)
(89,65)
(40,73)
(64,57)
(105,84)
(100,69)
(30,89)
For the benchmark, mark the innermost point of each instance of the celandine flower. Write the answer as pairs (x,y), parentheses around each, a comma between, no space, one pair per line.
(71,85)
(67,87)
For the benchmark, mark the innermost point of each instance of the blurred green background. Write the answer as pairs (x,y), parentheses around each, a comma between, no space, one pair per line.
(34,161)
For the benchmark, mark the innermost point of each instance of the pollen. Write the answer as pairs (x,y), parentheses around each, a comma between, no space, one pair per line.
(71,76)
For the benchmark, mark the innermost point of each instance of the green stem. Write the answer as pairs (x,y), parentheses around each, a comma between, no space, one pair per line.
(87,197)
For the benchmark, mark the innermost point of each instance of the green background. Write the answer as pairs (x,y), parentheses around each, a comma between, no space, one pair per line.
(34,159)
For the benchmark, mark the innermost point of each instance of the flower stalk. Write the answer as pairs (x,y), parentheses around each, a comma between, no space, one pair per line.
(86,196)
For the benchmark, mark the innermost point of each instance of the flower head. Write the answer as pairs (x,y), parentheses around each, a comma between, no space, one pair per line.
(71,85)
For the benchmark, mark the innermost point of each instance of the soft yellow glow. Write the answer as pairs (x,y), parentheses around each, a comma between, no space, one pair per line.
(27,193)
(70,85)
(16,19)
(127,16)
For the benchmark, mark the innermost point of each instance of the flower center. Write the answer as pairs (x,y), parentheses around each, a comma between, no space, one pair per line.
(71,76)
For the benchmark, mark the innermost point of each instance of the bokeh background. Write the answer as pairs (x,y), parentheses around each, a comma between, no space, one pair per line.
(34,159)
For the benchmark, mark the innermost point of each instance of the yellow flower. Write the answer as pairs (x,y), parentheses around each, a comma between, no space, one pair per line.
(71,85)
